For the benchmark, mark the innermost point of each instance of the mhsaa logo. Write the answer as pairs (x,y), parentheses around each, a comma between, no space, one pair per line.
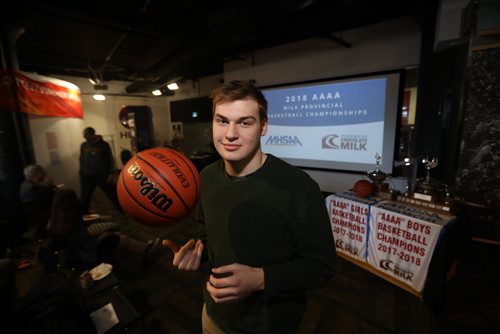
(283,141)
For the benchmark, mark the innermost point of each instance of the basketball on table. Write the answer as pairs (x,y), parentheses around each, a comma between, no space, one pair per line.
(363,188)
(158,186)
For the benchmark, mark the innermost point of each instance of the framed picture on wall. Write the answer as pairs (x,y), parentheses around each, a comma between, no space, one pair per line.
(177,136)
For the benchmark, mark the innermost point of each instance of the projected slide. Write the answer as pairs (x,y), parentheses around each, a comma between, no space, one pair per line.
(336,124)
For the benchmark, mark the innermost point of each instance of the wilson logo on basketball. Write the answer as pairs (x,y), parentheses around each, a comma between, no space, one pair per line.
(158,186)
(175,168)
(149,190)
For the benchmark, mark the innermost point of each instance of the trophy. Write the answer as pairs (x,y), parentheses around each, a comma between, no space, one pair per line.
(377,176)
(426,187)
(429,164)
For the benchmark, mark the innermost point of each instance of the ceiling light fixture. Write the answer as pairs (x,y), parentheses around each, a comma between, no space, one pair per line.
(99,97)
(163,91)
(173,86)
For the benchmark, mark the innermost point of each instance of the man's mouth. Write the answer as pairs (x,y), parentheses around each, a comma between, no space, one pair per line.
(230,147)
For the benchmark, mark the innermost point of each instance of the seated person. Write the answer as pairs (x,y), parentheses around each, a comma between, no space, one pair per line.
(98,224)
(67,230)
(36,194)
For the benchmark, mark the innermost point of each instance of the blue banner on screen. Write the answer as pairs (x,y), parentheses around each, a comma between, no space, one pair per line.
(329,104)
(335,124)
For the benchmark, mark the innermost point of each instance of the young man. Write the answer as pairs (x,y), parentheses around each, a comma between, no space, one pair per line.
(96,169)
(263,225)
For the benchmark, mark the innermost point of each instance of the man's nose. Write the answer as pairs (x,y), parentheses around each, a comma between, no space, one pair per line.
(231,131)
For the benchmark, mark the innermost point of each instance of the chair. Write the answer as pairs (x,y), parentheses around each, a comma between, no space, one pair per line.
(126,313)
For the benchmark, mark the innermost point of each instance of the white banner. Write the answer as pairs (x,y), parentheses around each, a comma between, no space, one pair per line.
(401,241)
(349,220)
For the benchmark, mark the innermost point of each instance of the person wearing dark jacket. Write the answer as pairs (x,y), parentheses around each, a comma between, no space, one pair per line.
(96,169)
(36,194)
(264,226)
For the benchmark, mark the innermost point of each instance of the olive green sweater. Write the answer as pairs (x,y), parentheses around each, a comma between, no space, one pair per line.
(276,219)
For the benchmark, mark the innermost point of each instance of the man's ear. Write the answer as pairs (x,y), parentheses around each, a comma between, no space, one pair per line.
(263,131)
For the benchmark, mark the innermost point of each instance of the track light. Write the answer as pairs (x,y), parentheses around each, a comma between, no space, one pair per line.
(163,91)
(173,86)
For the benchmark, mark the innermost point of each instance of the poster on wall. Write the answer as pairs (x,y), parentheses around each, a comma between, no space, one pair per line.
(402,240)
(177,136)
(39,95)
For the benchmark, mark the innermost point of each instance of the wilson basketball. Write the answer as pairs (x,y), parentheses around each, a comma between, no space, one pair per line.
(158,186)
(363,188)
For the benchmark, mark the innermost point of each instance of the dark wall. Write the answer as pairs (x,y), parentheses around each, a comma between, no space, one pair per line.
(478,177)
(440,94)
(439,115)
(16,148)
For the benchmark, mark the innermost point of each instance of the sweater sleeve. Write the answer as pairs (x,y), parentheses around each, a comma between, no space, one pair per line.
(314,263)
(201,233)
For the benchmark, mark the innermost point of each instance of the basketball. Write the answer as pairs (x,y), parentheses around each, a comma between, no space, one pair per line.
(158,186)
(363,188)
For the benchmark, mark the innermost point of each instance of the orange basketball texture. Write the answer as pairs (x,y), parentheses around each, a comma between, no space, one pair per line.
(158,186)
(363,188)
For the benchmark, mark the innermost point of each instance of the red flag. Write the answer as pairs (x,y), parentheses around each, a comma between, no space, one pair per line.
(40,95)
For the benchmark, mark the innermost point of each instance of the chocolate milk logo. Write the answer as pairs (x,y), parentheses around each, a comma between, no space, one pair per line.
(330,141)
(389,266)
(347,248)
(345,142)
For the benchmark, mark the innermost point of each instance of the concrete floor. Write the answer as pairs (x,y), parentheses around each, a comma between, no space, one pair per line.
(355,301)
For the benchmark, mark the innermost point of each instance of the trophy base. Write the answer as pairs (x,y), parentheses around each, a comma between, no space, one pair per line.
(445,208)
(390,195)
(427,190)
(381,186)
(424,197)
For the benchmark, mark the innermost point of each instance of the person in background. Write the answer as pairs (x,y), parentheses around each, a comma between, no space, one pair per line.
(125,156)
(36,194)
(263,224)
(68,230)
(96,169)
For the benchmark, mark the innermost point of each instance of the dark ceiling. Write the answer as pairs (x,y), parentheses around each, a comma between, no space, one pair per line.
(150,42)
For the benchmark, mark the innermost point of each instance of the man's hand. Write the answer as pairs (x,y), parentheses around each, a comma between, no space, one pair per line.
(186,257)
(237,282)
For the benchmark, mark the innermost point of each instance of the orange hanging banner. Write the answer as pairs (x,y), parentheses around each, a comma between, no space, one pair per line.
(39,95)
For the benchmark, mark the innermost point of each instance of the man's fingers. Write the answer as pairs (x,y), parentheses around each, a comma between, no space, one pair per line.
(170,244)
